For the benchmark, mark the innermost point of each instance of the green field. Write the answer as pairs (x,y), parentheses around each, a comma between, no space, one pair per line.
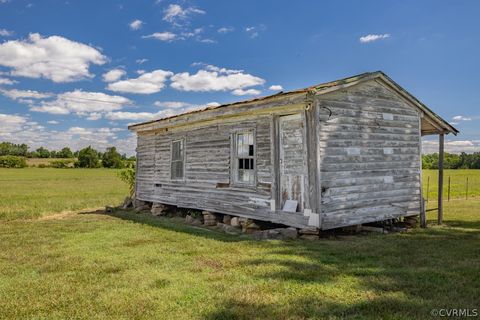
(458,183)
(91,265)
(33,192)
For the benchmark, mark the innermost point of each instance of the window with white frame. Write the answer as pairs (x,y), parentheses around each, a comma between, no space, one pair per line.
(244,158)
(177,159)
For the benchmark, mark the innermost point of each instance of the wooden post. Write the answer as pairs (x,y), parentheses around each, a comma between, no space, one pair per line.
(448,188)
(423,215)
(441,146)
(428,186)
(466,191)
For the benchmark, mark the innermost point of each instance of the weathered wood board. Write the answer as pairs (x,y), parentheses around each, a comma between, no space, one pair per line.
(369,155)
(350,155)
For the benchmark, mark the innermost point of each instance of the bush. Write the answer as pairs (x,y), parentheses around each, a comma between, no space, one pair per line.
(128,176)
(12,162)
(61,164)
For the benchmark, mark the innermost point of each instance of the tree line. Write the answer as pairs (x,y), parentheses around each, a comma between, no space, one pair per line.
(13,155)
(452,161)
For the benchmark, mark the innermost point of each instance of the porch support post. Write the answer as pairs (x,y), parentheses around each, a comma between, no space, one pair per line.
(441,146)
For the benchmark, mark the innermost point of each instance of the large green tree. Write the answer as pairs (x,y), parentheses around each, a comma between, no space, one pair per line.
(112,159)
(43,152)
(65,153)
(88,158)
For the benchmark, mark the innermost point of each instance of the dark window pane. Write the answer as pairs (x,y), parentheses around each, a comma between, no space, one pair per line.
(250,150)
(251,164)
(240,163)
(247,163)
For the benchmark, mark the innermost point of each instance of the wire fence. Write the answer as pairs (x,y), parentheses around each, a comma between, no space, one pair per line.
(457,184)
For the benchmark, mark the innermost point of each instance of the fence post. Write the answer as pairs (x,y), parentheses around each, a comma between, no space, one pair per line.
(423,215)
(428,186)
(448,188)
(466,191)
(441,155)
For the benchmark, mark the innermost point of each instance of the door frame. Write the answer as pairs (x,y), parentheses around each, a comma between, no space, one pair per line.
(276,158)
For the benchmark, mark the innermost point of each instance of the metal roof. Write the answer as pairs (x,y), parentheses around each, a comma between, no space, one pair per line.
(322,89)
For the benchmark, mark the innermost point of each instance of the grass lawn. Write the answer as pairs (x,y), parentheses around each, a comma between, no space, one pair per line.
(134,266)
(458,182)
(33,192)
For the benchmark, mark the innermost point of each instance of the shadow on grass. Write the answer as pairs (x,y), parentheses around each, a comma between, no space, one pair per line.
(396,276)
(174,224)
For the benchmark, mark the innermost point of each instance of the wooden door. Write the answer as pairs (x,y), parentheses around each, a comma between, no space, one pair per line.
(291,160)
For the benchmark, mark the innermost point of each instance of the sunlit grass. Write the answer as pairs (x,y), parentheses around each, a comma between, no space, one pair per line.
(134,266)
(33,192)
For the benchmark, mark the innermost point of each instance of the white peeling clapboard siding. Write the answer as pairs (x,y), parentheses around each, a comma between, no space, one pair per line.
(145,171)
(369,150)
(207,169)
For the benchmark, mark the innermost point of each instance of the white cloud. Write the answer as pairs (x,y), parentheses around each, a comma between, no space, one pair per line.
(94,116)
(183,105)
(254,31)
(18,129)
(461,118)
(147,83)
(113,75)
(162,36)
(225,30)
(214,79)
(10,123)
(168,36)
(207,40)
(5,33)
(451,146)
(374,37)
(55,58)
(5,81)
(276,87)
(171,108)
(172,104)
(251,92)
(141,61)
(53,122)
(177,15)
(16,94)
(140,71)
(136,24)
(82,103)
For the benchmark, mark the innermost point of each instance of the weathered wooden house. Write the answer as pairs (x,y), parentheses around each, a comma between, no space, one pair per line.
(336,154)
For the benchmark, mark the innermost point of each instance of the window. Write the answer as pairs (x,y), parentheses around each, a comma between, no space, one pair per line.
(244,158)
(177,161)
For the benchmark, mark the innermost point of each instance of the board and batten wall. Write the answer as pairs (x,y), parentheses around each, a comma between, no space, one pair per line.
(369,155)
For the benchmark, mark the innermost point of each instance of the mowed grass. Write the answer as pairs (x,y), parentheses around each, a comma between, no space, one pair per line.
(135,266)
(33,192)
(123,265)
(458,184)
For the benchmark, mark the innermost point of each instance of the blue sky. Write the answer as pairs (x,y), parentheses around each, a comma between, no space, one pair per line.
(77,72)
